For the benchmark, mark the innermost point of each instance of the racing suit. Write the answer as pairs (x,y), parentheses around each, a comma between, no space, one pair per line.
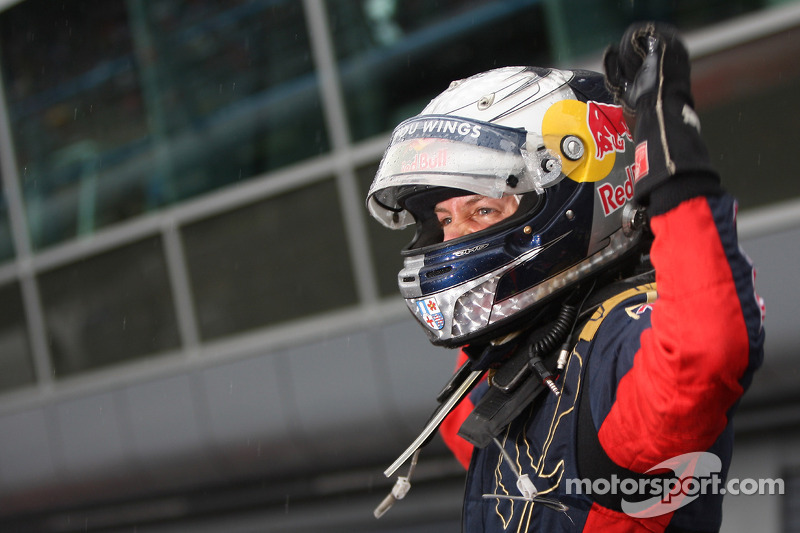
(657,372)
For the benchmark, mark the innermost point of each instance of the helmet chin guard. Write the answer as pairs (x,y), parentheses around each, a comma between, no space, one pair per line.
(552,137)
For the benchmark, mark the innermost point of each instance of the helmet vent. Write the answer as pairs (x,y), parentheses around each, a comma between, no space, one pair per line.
(409,279)
(485,101)
(435,273)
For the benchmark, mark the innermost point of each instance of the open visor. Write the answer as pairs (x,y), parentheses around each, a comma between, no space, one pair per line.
(458,153)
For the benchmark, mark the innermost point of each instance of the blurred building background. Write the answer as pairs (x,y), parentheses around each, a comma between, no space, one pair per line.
(199,324)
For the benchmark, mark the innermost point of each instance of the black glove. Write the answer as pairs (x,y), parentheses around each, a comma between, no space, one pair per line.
(649,76)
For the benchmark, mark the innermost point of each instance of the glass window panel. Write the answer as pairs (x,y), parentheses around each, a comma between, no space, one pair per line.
(16,366)
(395,56)
(233,92)
(6,239)
(385,244)
(109,308)
(76,112)
(276,260)
(120,107)
(602,23)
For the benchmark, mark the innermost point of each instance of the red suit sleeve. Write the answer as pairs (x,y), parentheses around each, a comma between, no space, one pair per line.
(692,362)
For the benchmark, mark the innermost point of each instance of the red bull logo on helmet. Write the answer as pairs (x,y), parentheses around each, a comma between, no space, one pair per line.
(612,198)
(608,128)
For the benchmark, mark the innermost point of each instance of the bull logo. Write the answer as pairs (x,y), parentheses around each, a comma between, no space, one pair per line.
(600,127)
(608,128)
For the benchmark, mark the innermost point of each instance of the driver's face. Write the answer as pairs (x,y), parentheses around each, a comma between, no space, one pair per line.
(463,215)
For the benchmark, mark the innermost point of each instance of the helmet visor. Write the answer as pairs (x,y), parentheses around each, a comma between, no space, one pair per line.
(452,152)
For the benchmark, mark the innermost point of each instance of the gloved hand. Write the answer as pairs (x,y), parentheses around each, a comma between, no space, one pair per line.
(649,76)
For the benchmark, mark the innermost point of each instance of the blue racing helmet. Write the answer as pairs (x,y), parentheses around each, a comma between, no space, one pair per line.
(554,139)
